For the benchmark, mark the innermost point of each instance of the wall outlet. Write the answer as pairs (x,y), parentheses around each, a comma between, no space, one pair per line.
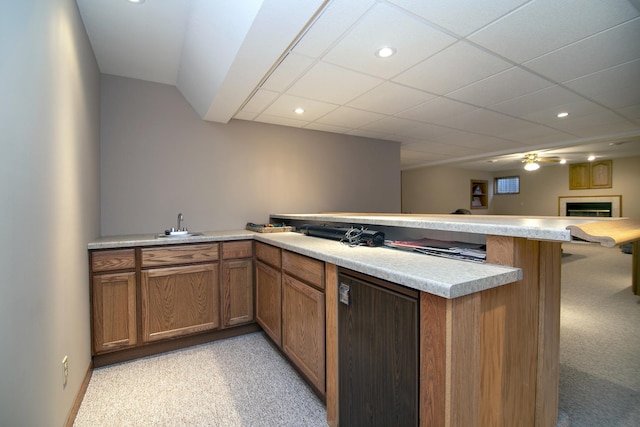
(65,370)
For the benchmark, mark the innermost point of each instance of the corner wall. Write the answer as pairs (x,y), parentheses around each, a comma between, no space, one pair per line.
(159,158)
(49,194)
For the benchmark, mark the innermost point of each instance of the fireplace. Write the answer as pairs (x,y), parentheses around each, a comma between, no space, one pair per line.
(600,209)
(596,206)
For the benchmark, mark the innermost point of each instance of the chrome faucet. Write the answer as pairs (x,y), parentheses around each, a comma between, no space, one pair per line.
(180,219)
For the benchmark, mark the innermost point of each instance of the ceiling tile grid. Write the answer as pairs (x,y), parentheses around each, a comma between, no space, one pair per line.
(480,77)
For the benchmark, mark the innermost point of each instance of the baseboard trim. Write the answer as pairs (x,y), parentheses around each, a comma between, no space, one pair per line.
(73,412)
(118,356)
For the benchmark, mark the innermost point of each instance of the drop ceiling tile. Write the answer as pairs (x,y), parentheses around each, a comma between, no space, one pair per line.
(332,23)
(424,132)
(604,50)
(440,111)
(349,117)
(616,87)
(411,159)
(259,101)
(391,125)
(282,121)
(500,87)
(386,26)
(631,112)
(544,105)
(446,13)
(374,135)
(451,69)
(287,72)
(552,24)
(600,123)
(327,128)
(486,122)
(285,105)
(390,98)
(329,83)
(535,134)
(445,149)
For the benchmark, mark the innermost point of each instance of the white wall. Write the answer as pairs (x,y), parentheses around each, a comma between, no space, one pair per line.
(159,158)
(49,137)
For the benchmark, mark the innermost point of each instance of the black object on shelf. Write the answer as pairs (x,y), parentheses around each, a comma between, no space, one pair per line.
(351,235)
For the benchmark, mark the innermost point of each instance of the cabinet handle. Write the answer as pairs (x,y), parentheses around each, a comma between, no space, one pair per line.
(344,294)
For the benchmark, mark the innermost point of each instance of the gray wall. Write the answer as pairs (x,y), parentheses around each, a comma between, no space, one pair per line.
(159,158)
(539,190)
(439,189)
(49,137)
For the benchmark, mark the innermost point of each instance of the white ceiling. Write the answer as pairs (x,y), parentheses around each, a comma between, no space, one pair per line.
(473,83)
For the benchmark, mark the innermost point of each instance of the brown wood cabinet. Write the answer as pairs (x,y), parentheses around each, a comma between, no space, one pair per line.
(180,300)
(237,283)
(114,311)
(113,300)
(303,329)
(269,299)
(584,176)
(290,307)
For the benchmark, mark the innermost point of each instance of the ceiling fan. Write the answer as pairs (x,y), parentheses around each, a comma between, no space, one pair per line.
(531,161)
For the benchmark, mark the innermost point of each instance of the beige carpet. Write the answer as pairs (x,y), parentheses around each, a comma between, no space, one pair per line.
(240,381)
(599,338)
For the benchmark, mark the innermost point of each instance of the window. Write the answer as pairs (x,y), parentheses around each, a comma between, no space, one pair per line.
(507,185)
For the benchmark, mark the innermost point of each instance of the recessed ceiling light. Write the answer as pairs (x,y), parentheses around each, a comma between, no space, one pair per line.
(136,1)
(563,114)
(385,52)
(591,158)
(299,110)
(563,161)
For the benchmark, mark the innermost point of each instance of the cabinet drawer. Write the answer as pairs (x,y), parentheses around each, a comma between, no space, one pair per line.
(237,249)
(121,259)
(308,269)
(181,254)
(268,254)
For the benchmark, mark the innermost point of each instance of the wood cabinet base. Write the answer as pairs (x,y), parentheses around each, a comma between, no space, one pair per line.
(170,345)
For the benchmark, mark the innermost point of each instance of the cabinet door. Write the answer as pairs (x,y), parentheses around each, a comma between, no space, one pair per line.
(179,301)
(579,176)
(378,359)
(269,301)
(237,292)
(114,311)
(601,174)
(303,329)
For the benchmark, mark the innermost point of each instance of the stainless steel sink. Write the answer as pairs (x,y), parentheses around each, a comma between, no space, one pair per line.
(176,235)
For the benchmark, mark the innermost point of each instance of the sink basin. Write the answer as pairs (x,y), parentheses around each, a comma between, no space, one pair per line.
(175,234)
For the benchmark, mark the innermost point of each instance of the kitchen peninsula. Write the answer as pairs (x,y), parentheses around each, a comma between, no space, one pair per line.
(488,332)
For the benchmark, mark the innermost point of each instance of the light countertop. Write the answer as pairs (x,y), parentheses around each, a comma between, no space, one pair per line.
(538,228)
(439,276)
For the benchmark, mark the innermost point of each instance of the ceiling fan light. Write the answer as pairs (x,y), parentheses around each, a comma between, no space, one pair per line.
(531,166)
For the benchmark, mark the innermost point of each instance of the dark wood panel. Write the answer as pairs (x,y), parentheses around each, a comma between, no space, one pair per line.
(378,357)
